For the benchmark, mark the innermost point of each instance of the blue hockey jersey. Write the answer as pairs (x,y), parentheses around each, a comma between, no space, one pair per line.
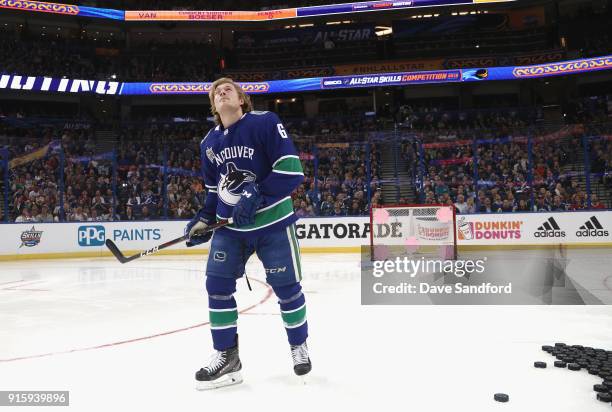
(254,149)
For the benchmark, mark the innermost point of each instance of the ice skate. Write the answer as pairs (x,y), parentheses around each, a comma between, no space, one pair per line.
(301,360)
(223,370)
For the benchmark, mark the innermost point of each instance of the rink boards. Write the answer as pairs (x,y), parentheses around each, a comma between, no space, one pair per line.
(318,235)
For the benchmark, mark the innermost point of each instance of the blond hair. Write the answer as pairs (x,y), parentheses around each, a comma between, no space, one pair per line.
(247,106)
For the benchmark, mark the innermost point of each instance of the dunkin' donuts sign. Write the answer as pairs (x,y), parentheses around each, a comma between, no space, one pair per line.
(489,230)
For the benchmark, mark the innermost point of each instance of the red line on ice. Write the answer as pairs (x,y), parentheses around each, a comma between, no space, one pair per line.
(107,345)
(14,281)
(30,283)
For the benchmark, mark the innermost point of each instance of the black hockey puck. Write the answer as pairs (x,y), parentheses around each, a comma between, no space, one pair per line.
(608,383)
(541,365)
(501,397)
(596,362)
(604,397)
(593,371)
(573,367)
(560,345)
(547,348)
(560,364)
(600,388)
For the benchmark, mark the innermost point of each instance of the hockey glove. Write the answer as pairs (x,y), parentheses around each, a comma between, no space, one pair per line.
(244,211)
(196,230)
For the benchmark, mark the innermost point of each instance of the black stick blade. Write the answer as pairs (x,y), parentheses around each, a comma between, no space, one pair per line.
(115,251)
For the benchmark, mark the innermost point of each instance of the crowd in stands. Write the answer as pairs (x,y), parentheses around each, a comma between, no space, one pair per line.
(331,149)
(507,179)
(436,123)
(600,151)
(88,56)
(503,183)
(34,187)
(341,187)
(141,191)
(142,154)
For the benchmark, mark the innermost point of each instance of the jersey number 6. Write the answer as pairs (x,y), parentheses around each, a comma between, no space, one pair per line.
(282,131)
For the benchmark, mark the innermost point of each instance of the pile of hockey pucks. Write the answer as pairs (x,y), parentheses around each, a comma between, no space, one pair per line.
(577,357)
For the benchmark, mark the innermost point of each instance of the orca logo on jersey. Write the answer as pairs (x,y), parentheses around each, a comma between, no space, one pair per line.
(229,186)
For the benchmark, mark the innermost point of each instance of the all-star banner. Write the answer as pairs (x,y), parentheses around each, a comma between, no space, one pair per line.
(227,15)
(47,84)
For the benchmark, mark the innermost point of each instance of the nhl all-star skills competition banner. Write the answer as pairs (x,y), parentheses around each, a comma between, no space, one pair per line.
(53,85)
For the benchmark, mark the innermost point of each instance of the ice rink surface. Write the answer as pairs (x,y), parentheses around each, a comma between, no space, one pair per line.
(130,338)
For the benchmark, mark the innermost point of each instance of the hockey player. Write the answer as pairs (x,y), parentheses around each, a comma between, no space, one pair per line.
(250,168)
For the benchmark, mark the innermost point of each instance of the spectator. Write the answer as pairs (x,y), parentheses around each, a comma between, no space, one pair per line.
(596,203)
(25,216)
(461,204)
(327,207)
(45,216)
(486,206)
(78,215)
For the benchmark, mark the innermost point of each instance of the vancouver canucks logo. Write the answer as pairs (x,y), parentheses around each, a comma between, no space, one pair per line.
(229,188)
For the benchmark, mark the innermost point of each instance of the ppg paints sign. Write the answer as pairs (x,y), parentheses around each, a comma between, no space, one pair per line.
(95,235)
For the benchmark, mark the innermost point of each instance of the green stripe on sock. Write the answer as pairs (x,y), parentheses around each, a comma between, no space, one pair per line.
(294,318)
(290,164)
(223,318)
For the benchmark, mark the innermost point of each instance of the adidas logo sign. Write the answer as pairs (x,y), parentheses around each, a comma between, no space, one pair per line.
(591,227)
(550,228)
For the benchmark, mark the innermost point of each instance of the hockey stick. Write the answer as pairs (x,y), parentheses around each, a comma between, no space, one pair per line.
(121,258)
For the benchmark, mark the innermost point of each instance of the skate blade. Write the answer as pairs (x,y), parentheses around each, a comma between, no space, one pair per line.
(303,379)
(233,378)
